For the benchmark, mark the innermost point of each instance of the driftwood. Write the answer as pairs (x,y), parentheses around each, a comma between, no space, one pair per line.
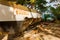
(30,22)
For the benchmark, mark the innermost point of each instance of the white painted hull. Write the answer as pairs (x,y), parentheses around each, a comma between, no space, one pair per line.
(13,14)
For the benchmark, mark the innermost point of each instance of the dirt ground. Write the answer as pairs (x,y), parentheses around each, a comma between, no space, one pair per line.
(49,31)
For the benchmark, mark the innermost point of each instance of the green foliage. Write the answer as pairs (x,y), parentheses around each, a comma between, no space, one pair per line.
(21,2)
(56,11)
(41,4)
